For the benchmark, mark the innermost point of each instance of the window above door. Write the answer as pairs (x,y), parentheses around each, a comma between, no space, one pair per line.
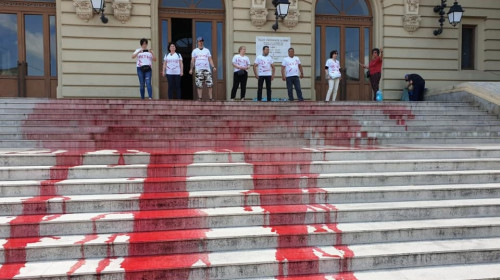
(342,7)
(193,4)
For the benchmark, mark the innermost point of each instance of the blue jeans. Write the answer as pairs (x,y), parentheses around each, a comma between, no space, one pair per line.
(174,82)
(295,81)
(144,80)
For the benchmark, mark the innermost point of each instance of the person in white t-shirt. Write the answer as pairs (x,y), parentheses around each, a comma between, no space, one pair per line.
(173,70)
(201,61)
(241,63)
(145,58)
(265,72)
(290,71)
(332,71)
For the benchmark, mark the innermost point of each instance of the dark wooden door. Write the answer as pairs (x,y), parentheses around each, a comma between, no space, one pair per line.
(28,61)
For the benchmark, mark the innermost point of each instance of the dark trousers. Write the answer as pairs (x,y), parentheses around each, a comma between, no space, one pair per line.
(418,92)
(295,82)
(174,82)
(237,80)
(260,85)
(375,81)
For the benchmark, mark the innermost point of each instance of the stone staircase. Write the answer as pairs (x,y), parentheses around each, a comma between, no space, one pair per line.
(122,189)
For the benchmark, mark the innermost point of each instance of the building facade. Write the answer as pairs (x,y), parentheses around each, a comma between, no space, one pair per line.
(61,49)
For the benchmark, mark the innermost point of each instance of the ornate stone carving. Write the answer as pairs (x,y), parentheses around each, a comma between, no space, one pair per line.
(412,6)
(121,10)
(83,9)
(258,13)
(411,22)
(292,19)
(411,19)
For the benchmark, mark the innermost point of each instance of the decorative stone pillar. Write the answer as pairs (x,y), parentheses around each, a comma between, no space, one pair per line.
(121,10)
(411,19)
(83,9)
(258,13)
(292,19)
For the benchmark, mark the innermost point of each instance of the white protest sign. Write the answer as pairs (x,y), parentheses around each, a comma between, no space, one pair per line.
(278,46)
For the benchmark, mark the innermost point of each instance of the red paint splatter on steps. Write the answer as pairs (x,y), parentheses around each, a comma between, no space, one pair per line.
(163,166)
(299,179)
(75,267)
(27,224)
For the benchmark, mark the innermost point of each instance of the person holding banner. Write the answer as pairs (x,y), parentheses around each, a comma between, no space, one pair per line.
(265,72)
(290,69)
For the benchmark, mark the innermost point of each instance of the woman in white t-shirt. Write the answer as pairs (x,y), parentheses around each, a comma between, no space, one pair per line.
(241,63)
(173,69)
(332,70)
(145,58)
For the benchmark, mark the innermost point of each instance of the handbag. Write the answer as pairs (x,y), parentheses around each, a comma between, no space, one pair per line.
(146,68)
(241,72)
(334,75)
(368,74)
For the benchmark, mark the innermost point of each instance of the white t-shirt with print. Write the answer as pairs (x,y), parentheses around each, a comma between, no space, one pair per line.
(333,68)
(144,58)
(242,61)
(201,58)
(291,66)
(264,65)
(173,63)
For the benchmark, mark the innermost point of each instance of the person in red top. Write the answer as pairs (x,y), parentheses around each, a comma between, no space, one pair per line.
(375,69)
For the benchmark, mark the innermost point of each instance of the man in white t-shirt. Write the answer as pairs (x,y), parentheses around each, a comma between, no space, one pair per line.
(202,61)
(265,72)
(290,69)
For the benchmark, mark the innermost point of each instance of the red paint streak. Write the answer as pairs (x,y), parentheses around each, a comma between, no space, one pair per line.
(294,255)
(399,113)
(28,224)
(165,169)
(75,267)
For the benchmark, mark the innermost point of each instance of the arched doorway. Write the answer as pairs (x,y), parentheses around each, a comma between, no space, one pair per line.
(182,22)
(346,26)
(28,57)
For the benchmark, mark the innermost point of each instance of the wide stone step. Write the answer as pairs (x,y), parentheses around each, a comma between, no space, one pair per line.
(130,104)
(345,136)
(235,111)
(66,204)
(268,263)
(176,219)
(244,118)
(246,182)
(481,271)
(241,168)
(353,127)
(244,238)
(42,157)
(203,124)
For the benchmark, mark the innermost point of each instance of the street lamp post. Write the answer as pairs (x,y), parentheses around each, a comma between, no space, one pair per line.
(98,6)
(454,15)
(281,11)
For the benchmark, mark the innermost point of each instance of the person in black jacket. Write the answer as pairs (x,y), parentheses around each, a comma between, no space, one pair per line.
(416,87)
